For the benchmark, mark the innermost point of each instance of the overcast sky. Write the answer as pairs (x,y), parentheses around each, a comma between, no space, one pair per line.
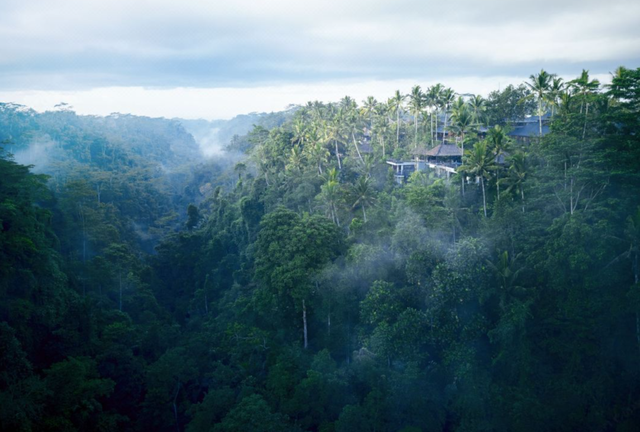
(216,59)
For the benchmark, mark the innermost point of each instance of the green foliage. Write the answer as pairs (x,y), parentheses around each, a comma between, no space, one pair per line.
(507,303)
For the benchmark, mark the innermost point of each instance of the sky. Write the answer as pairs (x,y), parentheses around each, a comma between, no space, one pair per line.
(216,59)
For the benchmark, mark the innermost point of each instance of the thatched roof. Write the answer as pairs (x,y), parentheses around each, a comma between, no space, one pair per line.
(440,150)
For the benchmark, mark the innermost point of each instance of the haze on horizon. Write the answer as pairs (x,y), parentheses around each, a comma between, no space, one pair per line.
(196,59)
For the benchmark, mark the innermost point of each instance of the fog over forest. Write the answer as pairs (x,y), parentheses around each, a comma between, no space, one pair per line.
(319,216)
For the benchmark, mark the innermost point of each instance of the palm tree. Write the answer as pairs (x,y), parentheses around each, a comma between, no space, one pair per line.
(416,103)
(463,122)
(517,174)
(434,94)
(396,104)
(299,129)
(539,85)
(382,126)
(369,109)
(295,161)
(585,88)
(499,143)
(330,195)
(349,125)
(363,195)
(480,163)
(478,106)
(555,90)
(329,133)
(448,96)
(315,150)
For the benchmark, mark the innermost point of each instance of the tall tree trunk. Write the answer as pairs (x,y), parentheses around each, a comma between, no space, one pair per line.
(338,155)
(484,198)
(397,128)
(304,323)
(431,126)
(364,214)
(175,406)
(444,127)
(586,113)
(540,116)
(415,139)
(355,143)
(463,174)
(522,196)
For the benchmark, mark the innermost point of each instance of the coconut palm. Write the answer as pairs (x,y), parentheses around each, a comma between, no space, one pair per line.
(363,195)
(349,125)
(480,163)
(447,98)
(462,122)
(434,94)
(295,161)
(299,129)
(555,90)
(539,85)
(499,143)
(329,134)
(478,106)
(517,174)
(369,109)
(330,195)
(315,151)
(396,104)
(382,126)
(417,102)
(585,88)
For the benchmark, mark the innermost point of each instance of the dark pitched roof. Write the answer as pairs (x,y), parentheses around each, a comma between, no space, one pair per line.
(444,150)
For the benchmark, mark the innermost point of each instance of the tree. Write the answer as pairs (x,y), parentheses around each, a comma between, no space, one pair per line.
(446,99)
(252,414)
(122,261)
(480,163)
(362,195)
(396,106)
(517,174)
(369,106)
(499,144)
(434,94)
(478,106)
(330,195)
(416,104)
(585,89)
(540,84)
(289,250)
(193,217)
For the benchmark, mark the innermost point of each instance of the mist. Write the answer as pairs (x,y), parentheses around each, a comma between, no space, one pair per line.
(38,153)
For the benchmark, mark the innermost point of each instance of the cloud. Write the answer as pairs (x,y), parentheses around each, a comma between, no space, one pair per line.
(84,44)
(226,102)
